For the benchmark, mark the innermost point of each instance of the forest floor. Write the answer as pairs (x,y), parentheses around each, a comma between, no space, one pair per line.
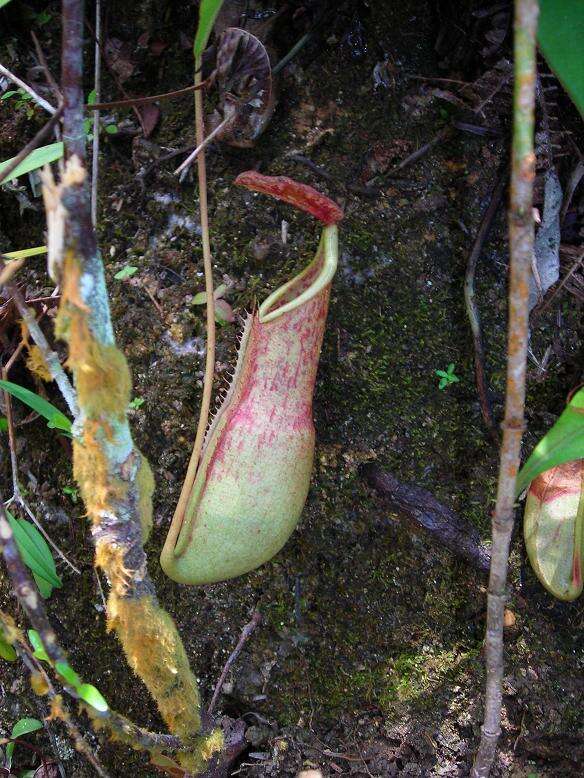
(368,661)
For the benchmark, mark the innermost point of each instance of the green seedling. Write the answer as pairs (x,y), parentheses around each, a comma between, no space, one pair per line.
(22,727)
(84,691)
(447,376)
(7,651)
(126,272)
(21,99)
(72,492)
(136,403)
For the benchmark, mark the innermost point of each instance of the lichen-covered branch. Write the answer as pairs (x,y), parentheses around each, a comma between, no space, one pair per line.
(521,243)
(32,604)
(114,478)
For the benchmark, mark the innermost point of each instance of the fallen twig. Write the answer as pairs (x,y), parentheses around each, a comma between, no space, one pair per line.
(424,511)
(521,243)
(32,144)
(545,304)
(419,153)
(367,191)
(243,638)
(23,85)
(471,307)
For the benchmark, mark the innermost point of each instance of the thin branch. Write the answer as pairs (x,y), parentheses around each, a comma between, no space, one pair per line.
(132,101)
(23,85)
(471,306)
(187,486)
(51,358)
(32,144)
(521,243)
(246,633)
(203,145)
(46,70)
(97,88)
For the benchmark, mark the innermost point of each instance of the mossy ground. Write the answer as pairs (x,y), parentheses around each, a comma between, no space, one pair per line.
(369,658)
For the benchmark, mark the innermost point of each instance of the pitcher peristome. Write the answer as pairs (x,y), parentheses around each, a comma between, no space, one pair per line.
(254,473)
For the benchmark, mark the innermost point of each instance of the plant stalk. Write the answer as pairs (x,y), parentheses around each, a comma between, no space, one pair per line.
(521,244)
(187,486)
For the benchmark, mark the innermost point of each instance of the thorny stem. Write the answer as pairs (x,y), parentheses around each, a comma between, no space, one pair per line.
(179,513)
(521,243)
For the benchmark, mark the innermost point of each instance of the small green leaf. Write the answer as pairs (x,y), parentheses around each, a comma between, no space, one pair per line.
(68,673)
(136,403)
(37,644)
(200,298)
(3,3)
(35,554)
(7,651)
(91,97)
(208,10)
(126,272)
(3,424)
(111,129)
(24,726)
(55,419)
(93,697)
(36,159)
(564,442)
(10,92)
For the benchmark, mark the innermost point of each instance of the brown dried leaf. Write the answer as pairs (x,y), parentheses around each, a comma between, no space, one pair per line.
(119,57)
(243,76)
(150,114)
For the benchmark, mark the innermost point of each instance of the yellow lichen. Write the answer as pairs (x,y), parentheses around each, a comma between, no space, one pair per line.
(102,375)
(156,654)
(144,485)
(39,685)
(37,364)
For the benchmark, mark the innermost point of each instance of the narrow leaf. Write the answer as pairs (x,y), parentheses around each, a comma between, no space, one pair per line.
(37,644)
(25,253)
(35,553)
(563,443)
(36,159)
(3,3)
(208,11)
(54,417)
(93,697)
(68,673)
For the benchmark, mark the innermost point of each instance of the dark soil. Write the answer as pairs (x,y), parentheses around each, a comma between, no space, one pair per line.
(369,658)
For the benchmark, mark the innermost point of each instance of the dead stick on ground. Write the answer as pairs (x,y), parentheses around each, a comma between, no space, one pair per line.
(244,637)
(132,101)
(32,144)
(521,242)
(419,153)
(471,307)
(546,303)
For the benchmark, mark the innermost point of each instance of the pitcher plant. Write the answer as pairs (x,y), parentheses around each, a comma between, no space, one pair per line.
(254,471)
